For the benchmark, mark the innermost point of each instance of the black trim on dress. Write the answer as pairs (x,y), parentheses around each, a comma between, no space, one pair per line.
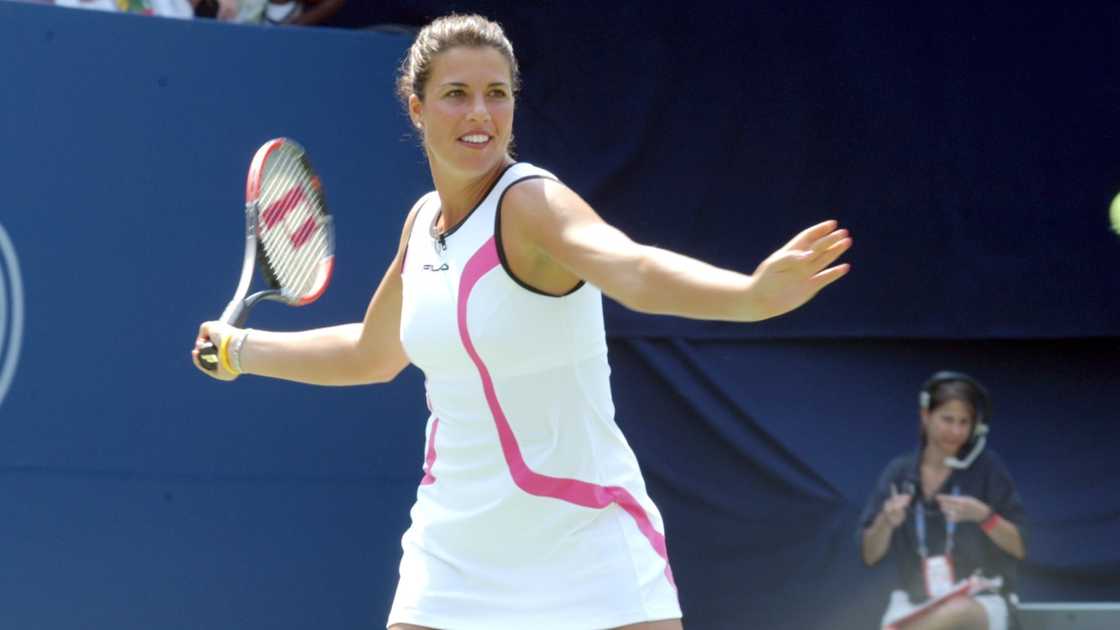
(502,250)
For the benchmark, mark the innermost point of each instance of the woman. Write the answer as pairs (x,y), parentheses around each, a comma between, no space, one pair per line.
(532,511)
(946,513)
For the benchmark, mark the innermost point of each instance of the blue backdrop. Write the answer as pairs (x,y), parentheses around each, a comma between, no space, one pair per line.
(971,150)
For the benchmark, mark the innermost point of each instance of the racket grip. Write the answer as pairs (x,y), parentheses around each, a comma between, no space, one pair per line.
(208,357)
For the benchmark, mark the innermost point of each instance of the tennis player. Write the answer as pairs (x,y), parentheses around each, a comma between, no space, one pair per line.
(532,511)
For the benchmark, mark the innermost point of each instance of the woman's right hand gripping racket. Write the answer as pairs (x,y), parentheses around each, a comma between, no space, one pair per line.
(288,233)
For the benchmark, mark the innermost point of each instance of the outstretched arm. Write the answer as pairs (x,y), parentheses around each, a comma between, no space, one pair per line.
(563,228)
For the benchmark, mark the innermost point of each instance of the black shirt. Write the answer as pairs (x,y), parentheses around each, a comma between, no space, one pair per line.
(986,479)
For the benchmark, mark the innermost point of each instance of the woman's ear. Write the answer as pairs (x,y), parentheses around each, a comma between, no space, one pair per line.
(416,111)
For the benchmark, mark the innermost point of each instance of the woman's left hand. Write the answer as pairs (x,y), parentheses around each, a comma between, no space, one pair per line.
(795,273)
(961,509)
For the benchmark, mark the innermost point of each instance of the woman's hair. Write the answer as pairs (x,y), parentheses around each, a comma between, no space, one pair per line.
(472,31)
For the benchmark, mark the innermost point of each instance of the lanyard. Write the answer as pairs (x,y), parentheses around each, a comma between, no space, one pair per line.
(920,527)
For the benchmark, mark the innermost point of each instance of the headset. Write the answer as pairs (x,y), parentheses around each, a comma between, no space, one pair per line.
(981,405)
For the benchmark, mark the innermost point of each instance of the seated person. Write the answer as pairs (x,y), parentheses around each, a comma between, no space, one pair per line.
(946,512)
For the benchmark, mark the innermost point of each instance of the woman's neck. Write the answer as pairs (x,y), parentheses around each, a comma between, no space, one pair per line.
(934,471)
(933,459)
(458,195)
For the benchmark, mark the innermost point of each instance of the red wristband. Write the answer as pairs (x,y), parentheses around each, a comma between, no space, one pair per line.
(990,523)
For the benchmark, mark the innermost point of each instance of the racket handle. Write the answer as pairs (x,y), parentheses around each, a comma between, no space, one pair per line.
(208,357)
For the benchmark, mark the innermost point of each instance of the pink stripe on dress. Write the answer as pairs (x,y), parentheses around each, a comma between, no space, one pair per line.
(430,459)
(571,490)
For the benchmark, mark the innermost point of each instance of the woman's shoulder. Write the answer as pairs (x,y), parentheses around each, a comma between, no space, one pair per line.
(525,181)
(903,461)
(898,468)
(422,201)
(520,171)
(413,212)
(530,191)
(990,460)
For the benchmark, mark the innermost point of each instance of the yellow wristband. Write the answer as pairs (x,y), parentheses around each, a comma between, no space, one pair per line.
(223,354)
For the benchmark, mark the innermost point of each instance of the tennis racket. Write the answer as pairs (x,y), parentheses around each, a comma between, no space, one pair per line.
(288,234)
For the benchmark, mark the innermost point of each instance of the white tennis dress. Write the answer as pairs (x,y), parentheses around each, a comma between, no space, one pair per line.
(532,512)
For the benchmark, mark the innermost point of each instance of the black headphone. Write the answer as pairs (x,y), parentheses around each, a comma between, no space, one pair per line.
(981,404)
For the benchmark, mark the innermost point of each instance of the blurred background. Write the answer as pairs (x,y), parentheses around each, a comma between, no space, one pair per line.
(969,147)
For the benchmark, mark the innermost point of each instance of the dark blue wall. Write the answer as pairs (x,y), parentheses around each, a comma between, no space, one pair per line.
(971,153)
(135,494)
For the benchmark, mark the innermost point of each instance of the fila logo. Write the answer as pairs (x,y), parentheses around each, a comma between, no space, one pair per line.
(11,312)
(442,267)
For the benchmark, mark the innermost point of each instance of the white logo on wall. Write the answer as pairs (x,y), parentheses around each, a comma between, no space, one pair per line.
(11,312)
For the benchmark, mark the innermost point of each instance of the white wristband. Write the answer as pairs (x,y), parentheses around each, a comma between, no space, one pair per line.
(235,351)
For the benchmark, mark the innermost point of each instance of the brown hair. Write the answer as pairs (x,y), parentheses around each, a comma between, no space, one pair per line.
(453,30)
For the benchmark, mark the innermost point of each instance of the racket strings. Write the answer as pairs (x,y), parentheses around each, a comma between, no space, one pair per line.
(292,229)
(296,258)
(309,240)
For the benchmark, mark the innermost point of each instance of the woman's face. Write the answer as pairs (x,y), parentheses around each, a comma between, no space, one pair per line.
(949,425)
(466,116)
